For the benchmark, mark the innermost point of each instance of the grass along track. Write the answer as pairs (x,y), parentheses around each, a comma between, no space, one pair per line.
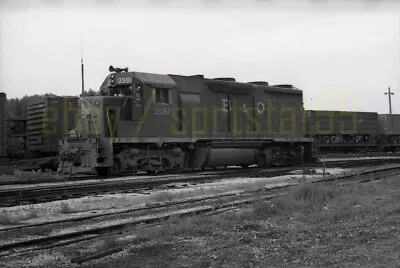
(22,194)
(190,206)
(193,206)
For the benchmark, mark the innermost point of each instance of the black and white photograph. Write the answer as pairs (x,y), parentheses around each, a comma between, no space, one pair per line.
(199,133)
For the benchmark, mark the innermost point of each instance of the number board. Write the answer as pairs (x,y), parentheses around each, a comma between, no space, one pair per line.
(123,80)
(160,110)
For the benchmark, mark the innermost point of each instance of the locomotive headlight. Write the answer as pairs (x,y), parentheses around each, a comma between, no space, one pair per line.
(111,80)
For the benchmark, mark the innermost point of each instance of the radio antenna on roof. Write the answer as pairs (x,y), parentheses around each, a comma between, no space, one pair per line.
(82,67)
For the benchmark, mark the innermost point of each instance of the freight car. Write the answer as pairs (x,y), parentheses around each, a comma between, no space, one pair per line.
(343,131)
(16,136)
(32,140)
(153,122)
(389,132)
(48,120)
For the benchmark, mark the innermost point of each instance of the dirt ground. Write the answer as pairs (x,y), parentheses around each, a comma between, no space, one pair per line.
(314,226)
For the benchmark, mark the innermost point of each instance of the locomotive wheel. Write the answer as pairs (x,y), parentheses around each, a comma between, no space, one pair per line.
(153,166)
(150,172)
(102,171)
(261,161)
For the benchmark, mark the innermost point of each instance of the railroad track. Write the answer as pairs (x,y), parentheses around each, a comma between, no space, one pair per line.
(48,193)
(55,178)
(358,155)
(17,195)
(107,224)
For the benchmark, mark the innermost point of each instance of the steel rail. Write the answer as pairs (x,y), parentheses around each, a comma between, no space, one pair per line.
(62,239)
(51,192)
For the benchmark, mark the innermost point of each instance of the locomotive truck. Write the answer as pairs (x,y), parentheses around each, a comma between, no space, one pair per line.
(155,122)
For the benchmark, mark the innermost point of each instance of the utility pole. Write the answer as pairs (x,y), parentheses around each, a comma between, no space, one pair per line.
(390,100)
(390,104)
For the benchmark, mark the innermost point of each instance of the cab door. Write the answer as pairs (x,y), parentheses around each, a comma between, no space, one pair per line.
(137,102)
(242,121)
(160,115)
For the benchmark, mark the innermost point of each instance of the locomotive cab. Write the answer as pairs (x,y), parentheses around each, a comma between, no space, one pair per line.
(142,88)
(116,119)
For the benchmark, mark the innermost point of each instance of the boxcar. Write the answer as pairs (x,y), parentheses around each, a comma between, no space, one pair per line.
(342,130)
(389,131)
(16,136)
(48,120)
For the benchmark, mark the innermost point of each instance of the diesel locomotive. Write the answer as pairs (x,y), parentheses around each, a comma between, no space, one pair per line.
(157,122)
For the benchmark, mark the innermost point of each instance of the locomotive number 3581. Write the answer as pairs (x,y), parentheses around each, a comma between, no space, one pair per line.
(161,110)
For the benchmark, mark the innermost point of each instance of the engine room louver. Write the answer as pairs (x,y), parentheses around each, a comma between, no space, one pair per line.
(230,79)
(284,86)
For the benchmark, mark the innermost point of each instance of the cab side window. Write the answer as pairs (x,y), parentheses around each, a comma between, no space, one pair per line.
(162,95)
(138,95)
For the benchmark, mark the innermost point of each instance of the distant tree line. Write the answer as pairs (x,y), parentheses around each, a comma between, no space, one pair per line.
(90,92)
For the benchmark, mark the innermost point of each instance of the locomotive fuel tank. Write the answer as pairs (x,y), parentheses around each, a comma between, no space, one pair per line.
(214,157)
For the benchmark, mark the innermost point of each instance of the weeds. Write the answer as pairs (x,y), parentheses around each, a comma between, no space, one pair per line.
(33,212)
(163,196)
(312,222)
(110,242)
(323,169)
(312,192)
(66,209)
(6,218)
(189,227)
(303,198)
(311,203)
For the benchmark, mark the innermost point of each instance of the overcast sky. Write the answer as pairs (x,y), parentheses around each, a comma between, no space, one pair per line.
(343,57)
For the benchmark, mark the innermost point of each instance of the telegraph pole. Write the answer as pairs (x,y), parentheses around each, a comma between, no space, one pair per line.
(389,93)
(390,100)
